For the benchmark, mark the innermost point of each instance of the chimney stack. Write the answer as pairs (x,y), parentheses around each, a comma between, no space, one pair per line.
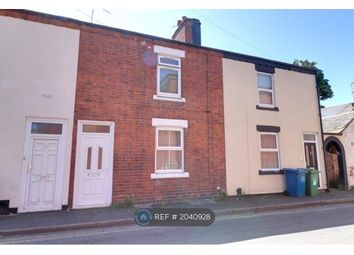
(188,30)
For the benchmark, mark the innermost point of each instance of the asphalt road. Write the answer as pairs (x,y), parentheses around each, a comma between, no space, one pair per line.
(308,225)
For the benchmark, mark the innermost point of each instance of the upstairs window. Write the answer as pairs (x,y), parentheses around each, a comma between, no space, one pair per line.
(265,90)
(169,77)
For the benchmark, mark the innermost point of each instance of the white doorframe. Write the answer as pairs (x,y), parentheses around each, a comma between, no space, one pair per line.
(317,154)
(27,157)
(79,141)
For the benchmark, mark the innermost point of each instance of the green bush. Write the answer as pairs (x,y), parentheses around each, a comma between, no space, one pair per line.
(221,195)
(128,201)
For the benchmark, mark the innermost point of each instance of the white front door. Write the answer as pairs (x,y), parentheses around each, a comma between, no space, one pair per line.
(93,178)
(42,172)
(43,166)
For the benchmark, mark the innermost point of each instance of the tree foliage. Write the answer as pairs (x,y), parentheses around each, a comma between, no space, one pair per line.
(324,88)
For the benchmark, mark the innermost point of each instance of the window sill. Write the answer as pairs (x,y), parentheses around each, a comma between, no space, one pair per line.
(181,100)
(270,172)
(169,175)
(274,109)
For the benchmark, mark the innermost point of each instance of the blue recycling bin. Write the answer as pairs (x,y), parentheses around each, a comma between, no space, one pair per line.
(295,181)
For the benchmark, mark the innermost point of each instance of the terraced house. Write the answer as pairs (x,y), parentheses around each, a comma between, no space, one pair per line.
(275,124)
(93,115)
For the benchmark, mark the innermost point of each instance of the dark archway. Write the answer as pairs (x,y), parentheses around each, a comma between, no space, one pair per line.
(336,164)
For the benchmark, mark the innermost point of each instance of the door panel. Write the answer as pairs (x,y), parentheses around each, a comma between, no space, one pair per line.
(35,190)
(49,191)
(99,186)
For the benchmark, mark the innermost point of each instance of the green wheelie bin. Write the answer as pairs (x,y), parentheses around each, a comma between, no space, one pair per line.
(312,182)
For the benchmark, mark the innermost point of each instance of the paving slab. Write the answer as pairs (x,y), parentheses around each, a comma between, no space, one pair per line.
(64,220)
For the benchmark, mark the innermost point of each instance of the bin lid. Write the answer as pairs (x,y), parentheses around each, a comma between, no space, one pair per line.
(295,170)
(312,171)
(291,170)
(301,171)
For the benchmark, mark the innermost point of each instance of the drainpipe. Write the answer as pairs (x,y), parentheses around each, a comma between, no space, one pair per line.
(320,115)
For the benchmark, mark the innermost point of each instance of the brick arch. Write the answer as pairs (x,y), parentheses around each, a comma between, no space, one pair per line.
(341,161)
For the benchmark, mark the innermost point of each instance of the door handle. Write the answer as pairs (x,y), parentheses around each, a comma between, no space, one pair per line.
(29,168)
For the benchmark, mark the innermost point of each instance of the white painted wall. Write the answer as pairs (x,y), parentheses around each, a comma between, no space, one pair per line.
(347,140)
(296,97)
(38,69)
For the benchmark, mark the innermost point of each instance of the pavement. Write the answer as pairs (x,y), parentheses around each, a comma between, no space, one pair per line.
(336,223)
(42,222)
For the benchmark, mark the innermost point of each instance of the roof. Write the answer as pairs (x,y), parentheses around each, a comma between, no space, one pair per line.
(337,118)
(226,54)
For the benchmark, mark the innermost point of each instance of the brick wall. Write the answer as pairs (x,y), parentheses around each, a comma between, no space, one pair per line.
(116,82)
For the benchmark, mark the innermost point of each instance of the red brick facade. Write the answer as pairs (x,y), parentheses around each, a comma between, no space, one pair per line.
(116,82)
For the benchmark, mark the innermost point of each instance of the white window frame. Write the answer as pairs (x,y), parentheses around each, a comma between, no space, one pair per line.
(269,150)
(266,90)
(173,54)
(169,125)
(166,64)
(309,141)
(169,148)
(169,67)
(317,153)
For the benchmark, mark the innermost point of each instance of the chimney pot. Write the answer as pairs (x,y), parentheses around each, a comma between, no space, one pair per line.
(188,30)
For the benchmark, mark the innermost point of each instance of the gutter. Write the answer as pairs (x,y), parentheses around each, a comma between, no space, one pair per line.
(322,136)
(333,133)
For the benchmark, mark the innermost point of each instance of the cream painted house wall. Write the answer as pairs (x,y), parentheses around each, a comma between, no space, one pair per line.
(38,68)
(347,140)
(295,96)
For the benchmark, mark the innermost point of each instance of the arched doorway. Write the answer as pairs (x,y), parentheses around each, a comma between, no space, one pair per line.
(335,161)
